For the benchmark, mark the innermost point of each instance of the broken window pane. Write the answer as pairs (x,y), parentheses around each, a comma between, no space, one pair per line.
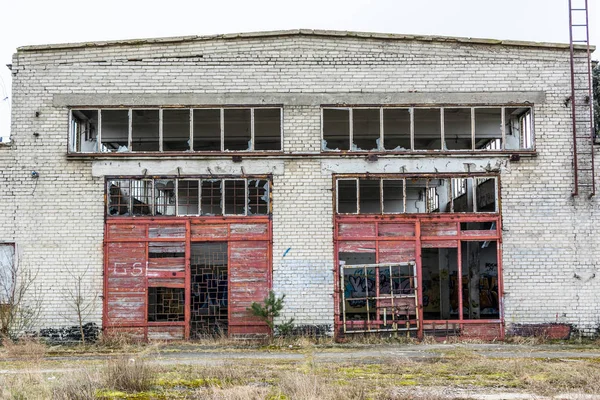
(370,196)
(480,280)
(188,197)
(336,129)
(518,127)
(438,196)
(237,129)
(258,197)
(166,304)
(211,197)
(84,131)
(393,196)
(416,195)
(144,130)
(462,194)
(267,129)
(365,129)
(141,196)
(488,128)
(486,194)
(7,272)
(115,130)
(346,195)
(440,283)
(207,130)
(396,129)
(118,197)
(428,134)
(457,129)
(176,130)
(235,197)
(164,197)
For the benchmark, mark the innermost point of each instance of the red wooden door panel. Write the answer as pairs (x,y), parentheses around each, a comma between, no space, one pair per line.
(249,281)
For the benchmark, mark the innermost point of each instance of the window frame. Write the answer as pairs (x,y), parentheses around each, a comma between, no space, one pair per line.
(177,214)
(441,149)
(451,178)
(71,143)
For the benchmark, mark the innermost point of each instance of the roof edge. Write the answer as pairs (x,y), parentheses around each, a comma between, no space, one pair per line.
(301,32)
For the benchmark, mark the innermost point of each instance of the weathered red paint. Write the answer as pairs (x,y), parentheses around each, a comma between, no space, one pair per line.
(400,238)
(130,270)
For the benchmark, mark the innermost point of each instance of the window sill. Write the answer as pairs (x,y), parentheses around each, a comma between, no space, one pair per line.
(323,154)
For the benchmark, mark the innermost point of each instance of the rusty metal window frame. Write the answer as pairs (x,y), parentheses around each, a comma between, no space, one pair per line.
(527,143)
(454,191)
(200,179)
(73,150)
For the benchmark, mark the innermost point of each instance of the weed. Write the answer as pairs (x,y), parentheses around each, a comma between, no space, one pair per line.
(129,375)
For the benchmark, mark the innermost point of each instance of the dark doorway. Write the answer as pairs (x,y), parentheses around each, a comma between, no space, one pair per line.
(209,289)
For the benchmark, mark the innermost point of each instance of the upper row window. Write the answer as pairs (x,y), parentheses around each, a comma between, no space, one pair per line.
(175,129)
(416,128)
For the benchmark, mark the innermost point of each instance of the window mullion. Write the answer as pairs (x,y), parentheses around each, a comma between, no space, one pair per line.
(130,130)
(222,129)
(351,129)
(191,130)
(160,130)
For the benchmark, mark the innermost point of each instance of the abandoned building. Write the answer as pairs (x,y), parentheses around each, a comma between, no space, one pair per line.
(382,182)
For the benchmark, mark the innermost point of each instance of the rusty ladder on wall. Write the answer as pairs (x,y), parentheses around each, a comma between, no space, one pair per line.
(581,99)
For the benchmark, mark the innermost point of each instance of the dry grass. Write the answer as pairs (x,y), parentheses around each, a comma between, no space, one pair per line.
(24,349)
(129,375)
(79,386)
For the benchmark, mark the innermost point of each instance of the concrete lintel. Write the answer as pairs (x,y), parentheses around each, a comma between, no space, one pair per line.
(296,99)
(102,168)
(416,166)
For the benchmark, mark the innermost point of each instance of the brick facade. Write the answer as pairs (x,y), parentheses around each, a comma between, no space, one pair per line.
(551,245)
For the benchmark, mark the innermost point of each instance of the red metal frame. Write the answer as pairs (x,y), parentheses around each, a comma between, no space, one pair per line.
(417,220)
(186,222)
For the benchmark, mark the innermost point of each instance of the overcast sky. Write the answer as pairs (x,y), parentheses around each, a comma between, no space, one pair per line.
(24,22)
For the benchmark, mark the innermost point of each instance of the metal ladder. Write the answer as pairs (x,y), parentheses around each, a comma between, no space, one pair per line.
(581,99)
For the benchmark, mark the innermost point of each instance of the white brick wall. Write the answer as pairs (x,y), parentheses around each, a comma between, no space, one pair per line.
(551,249)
